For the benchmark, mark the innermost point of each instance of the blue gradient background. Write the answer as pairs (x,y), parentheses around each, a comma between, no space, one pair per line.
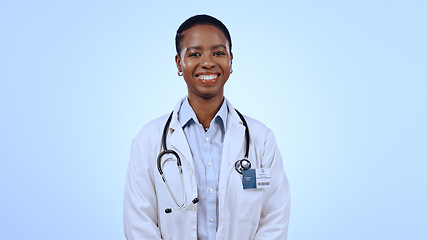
(341,83)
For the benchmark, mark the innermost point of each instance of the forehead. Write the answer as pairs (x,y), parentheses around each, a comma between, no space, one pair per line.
(203,36)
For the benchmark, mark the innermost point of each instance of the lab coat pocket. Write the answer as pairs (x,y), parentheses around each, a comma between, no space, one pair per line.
(249,203)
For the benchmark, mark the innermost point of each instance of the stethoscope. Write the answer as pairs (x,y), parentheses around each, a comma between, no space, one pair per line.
(240,165)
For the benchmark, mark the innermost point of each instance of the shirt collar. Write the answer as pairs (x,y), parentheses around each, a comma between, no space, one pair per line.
(186,114)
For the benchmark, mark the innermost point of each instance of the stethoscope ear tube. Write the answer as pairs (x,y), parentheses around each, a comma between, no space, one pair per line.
(165,150)
(178,163)
(169,210)
(159,160)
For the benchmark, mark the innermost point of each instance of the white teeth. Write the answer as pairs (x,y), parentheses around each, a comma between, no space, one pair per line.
(207,77)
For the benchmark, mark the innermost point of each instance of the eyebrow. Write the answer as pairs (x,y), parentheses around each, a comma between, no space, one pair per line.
(198,48)
(219,46)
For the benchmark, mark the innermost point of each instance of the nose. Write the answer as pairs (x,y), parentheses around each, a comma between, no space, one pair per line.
(207,61)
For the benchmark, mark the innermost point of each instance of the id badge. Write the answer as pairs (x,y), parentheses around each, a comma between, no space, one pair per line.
(256,178)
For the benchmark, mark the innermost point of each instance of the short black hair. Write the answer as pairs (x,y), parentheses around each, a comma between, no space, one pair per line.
(202,19)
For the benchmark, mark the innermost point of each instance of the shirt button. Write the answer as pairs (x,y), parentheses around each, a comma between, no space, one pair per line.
(211,190)
(209,164)
(211,219)
(207,139)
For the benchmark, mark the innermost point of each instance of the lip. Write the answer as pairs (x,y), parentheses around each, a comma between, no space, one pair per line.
(207,77)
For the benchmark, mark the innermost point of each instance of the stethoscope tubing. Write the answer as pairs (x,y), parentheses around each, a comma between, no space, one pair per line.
(247,137)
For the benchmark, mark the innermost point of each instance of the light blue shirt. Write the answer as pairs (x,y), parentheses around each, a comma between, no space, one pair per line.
(206,148)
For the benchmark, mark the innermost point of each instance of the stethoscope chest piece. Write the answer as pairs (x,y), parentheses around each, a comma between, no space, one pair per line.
(242,164)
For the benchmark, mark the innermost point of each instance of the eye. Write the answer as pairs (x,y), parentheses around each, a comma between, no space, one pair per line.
(219,53)
(194,54)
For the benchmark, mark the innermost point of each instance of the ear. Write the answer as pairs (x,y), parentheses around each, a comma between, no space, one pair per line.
(231,59)
(178,62)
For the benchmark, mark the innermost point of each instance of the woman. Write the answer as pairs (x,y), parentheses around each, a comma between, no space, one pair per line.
(232,185)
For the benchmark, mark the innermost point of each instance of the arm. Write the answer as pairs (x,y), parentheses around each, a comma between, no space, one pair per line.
(140,201)
(275,212)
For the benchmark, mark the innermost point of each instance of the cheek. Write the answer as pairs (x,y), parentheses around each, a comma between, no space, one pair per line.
(188,65)
(226,63)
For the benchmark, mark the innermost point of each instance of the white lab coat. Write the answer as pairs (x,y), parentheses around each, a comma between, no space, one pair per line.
(242,214)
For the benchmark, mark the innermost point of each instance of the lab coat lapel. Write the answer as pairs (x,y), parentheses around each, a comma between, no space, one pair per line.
(176,137)
(233,147)
(179,142)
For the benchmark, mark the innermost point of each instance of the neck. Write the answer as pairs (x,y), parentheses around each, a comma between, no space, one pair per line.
(205,109)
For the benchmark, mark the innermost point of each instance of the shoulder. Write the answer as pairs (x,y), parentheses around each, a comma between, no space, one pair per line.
(153,129)
(255,127)
(258,131)
(258,128)
(261,137)
(262,141)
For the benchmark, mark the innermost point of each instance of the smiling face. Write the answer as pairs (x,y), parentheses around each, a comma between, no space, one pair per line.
(205,60)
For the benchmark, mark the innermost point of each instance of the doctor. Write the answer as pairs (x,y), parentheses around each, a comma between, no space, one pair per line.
(217,196)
